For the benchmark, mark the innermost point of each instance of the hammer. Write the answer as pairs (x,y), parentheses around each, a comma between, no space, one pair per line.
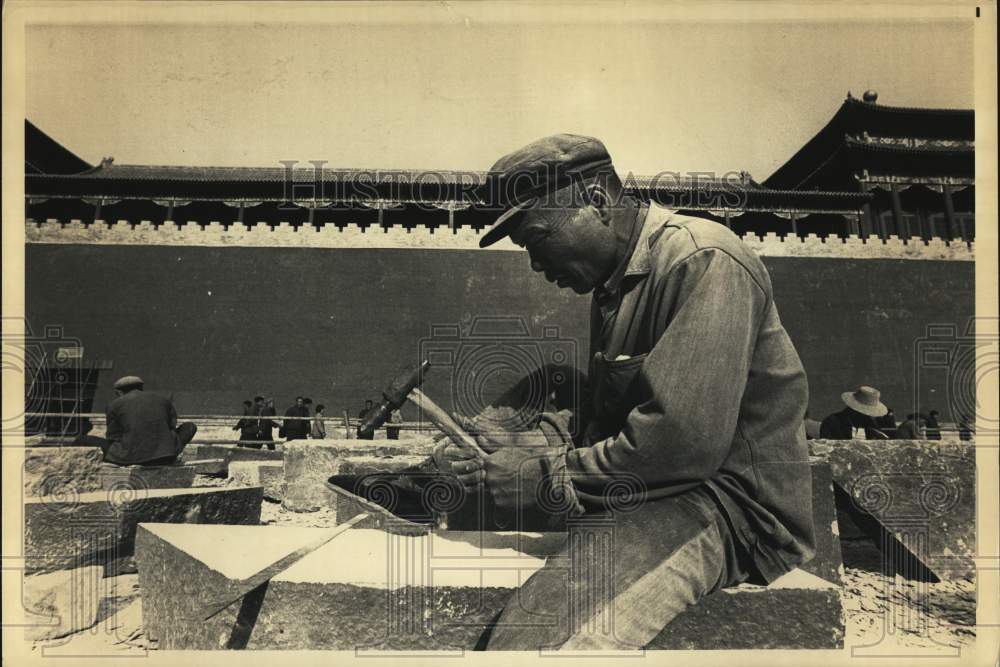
(405,386)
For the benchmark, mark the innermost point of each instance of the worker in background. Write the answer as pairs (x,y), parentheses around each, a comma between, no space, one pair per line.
(913,428)
(318,430)
(857,420)
(933,431)
(265,426)
(296,429)
(247,426)
(392,432)
(142,427)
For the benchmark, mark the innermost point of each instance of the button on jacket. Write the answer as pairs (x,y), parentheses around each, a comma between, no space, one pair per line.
(697,384)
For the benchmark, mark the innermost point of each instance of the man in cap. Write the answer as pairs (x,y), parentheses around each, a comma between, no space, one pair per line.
(692,444)
(862,407)
(142,427)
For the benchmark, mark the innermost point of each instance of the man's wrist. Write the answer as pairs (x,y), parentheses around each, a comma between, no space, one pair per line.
(560,495)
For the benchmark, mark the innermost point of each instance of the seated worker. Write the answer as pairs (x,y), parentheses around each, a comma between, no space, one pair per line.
(693,445)
(863,407)
(142,428)
(914,428)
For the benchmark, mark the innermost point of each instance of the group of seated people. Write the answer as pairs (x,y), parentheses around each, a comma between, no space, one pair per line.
(865,417)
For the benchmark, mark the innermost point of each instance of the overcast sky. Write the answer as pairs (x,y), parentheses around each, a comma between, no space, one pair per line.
(457,94)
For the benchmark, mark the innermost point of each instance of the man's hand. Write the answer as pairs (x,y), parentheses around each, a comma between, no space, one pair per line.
(464,464)
(514,475)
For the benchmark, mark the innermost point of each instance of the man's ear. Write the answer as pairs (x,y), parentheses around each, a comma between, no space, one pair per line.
(598,197)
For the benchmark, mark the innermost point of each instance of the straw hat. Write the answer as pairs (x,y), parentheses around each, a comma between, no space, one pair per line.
(865,400)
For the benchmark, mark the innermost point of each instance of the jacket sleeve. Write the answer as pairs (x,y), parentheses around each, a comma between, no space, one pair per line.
(688,391)
(114,428)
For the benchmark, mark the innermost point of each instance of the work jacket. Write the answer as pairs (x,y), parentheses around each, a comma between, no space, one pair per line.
(695,383)
(141,427)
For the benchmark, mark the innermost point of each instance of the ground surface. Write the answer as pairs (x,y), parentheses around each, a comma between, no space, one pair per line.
(883,613)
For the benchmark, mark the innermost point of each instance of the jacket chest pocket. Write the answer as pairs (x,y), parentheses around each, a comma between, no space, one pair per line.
(611,383)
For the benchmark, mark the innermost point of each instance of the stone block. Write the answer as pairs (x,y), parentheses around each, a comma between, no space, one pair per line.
(61,603)
(267,474)
(228,453)
(797,611)
(210,467)
(99,527)
(364,589)
(146,477)
(61,470)
(922,493)
(309,463)
(65,471)
(368,589)
(828,563)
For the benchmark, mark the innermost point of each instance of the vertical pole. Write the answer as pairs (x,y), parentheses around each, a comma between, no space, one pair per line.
(854,225)
(170,210)
(239,216)
(451,218)
(97,209)
(949,214)
(926,224)
(728,217)
(795,223)
(866,221)
(381,217)
(902,228)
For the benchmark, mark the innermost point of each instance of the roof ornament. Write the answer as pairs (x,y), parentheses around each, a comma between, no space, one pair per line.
(870,96)
(107,161)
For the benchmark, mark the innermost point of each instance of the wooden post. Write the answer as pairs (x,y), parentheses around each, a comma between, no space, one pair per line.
(902,228)
(949,214)
(347,426)
(854,225)
(795,223)
(867,222)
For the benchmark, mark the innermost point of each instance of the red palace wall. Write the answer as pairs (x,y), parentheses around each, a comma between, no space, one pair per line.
(215,325)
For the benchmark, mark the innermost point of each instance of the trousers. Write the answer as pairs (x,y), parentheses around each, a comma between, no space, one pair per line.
(185,434)
(621,577)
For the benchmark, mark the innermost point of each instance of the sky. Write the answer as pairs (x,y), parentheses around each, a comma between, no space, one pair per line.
(458,93)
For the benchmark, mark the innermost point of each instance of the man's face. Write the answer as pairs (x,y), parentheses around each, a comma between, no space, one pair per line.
(567,244)
(299,402)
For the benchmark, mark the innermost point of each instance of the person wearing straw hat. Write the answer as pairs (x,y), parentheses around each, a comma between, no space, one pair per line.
(692,445)
(863,406)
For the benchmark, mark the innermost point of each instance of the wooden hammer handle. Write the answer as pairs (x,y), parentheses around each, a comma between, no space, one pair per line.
(444,421)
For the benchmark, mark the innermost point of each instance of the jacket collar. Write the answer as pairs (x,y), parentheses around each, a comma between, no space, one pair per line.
(652,217)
